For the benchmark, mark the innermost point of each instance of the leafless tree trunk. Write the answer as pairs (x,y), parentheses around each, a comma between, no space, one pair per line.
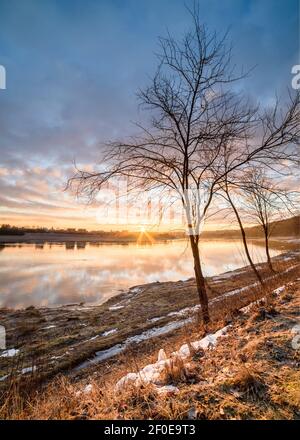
(243,233)
(200,281)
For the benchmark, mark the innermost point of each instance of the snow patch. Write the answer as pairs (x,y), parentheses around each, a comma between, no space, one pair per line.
(88,388)
(157,318)
(161,355)
(136,290)
(10,353)
(167,389)
(279,290)
(58,357)
(247,308)
(109,332)
(185,311)
(2,378)
(28,370)
(119,348)
(116,307)
(152,373)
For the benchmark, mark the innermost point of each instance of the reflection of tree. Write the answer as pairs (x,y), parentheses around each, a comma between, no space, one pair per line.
(70,245)
(81,244)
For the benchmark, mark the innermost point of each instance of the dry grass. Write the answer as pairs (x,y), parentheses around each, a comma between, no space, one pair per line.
(251,374)
(248,383)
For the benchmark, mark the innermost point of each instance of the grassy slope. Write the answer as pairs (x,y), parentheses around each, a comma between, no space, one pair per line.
(253,373)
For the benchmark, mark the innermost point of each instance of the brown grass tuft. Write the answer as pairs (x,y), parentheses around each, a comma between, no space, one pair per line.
(249,383)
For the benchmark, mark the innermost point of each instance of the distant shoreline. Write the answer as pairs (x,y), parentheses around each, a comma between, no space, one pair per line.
(38,238)
(287,242)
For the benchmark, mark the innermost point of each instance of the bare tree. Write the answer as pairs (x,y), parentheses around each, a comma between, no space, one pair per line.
(265,201)
(229,192)
(197,120)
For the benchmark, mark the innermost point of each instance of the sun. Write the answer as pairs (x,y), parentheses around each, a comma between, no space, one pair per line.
(144,236)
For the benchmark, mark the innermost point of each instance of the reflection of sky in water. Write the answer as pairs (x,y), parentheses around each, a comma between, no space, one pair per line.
(55,274)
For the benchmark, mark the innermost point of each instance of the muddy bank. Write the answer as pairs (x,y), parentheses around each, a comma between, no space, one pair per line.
(47,341)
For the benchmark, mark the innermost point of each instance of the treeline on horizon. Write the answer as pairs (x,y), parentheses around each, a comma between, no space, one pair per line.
(6,229)
(286,227)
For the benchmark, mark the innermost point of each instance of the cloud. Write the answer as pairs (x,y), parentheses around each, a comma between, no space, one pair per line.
(73,68)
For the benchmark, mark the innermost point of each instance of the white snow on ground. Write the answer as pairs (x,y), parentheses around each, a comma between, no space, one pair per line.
(247,308)
(3,377)
(157,331)
(116,307)
(167,389)
(234,292)
(161,355)
(58,357)
(157,318)
(238,291)
(28,370)
(109,332)
(152,373)
(88,388)
(117,349)
(208,341)
(184,311)
(136,290)
(10,353)
(279,290)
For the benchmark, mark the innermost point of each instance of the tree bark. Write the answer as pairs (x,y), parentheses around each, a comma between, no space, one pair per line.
(258,276)
(267,251)
(200,281)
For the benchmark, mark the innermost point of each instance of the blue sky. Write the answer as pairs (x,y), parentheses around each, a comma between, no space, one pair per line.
(73,69)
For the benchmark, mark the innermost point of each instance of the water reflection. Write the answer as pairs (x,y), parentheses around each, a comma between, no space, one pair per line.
(48,275)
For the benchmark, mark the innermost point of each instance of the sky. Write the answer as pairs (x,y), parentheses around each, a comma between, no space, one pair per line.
(73,68)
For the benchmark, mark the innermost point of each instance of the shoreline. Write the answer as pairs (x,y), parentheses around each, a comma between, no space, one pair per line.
(49,341)
(280,242)
(56,238)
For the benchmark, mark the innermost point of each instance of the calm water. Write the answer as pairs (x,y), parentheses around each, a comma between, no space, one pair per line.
(53,274)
